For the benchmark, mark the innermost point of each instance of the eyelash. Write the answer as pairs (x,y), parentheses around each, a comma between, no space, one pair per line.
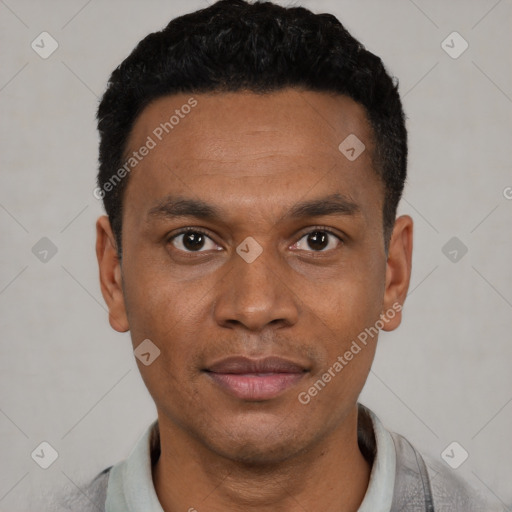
(192,229)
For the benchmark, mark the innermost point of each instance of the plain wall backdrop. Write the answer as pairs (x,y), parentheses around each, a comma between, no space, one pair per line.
(68,379)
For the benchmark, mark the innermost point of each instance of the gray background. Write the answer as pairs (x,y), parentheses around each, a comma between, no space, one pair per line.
(68,379)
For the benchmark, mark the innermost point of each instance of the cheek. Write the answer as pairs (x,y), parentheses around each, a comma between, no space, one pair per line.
(353,301)
(346,315)
(348,311)
(168,313)
(157,305)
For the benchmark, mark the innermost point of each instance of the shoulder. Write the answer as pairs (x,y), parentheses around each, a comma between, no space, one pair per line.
(449,492)
(452,493)
(88,497)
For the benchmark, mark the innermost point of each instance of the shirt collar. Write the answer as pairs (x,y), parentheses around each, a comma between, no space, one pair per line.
(379,495)
(131,489)
(130,484)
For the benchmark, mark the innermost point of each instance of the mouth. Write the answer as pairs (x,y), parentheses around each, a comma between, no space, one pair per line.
(255,379)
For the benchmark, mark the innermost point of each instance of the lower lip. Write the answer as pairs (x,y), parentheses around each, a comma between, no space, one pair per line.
(256,387)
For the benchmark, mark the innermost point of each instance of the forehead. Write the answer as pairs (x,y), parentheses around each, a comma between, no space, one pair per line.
(243,148)
(287,119)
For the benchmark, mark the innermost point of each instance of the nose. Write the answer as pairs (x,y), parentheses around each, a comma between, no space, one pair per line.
(257,294)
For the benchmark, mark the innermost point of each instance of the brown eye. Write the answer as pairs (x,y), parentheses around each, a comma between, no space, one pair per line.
(193,241)
(318,241)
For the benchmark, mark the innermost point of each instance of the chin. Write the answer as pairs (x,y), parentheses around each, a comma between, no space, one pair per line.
(262,454)
(255,445)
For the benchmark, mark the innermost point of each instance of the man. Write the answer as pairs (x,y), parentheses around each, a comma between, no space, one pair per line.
(251,161)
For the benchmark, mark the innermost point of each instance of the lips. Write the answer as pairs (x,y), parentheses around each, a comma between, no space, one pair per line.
(255,379)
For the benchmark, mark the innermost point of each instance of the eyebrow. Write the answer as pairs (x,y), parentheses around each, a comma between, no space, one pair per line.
(174,206)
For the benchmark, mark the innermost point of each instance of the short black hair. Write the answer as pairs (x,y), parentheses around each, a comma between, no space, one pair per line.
(260,47)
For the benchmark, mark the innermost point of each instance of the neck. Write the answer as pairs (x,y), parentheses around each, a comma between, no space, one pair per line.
(331,476)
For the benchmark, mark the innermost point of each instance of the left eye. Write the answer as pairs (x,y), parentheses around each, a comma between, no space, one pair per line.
(318,241)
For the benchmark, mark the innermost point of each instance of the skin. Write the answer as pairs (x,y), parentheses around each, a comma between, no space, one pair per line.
(254,157)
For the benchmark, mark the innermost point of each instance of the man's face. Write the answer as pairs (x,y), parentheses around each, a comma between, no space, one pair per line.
(270,168)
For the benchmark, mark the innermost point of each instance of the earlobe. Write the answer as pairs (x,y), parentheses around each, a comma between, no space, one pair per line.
(398,272)
(110,275)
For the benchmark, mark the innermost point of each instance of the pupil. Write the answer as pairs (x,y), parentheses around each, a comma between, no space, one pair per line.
(318,240)
(193,241)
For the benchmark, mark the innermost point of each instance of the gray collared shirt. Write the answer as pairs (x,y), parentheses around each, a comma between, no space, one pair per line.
(401,480)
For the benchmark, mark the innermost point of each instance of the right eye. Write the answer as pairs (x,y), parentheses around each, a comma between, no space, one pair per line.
(193,240)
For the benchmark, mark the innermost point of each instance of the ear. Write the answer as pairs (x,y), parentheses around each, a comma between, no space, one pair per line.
(398,272)
(110,275)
